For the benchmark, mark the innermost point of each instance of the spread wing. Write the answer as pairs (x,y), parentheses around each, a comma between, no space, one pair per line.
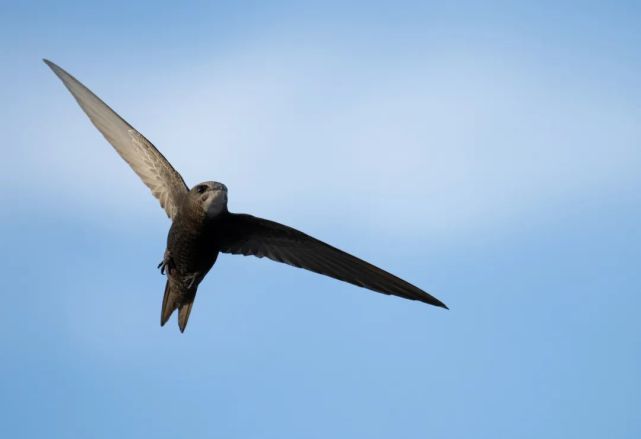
(151,166)
(248,235)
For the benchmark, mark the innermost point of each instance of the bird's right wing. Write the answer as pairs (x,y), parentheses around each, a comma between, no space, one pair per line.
(152,167)
(249,235)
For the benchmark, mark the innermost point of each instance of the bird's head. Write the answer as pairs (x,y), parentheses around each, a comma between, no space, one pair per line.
(211,196)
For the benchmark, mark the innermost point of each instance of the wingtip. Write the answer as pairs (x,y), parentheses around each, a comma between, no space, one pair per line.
(425,297)
(54,67)
(439,303)
(435,302)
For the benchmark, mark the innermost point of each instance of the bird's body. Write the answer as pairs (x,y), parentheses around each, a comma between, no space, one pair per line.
(193,244)
(191,252)
(202,226)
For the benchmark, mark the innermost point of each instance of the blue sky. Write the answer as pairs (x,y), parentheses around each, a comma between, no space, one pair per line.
(488,152)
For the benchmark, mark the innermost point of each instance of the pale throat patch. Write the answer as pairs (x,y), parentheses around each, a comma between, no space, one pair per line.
(215,203)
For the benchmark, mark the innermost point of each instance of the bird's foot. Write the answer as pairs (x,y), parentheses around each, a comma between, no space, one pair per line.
(167,263)
(191,279)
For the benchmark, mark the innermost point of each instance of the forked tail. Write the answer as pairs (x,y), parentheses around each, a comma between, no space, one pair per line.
(175,299)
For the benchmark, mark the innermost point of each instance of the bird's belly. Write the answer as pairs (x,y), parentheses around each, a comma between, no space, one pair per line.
(192,258)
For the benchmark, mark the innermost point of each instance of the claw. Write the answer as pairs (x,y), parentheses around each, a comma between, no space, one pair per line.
(167,264)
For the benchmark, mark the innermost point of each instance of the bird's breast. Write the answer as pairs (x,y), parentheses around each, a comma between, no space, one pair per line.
(191,249)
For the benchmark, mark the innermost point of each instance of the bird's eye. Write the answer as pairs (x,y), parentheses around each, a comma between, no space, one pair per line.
(201,189)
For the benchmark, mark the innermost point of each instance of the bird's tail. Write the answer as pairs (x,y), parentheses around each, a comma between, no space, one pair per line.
(176,299)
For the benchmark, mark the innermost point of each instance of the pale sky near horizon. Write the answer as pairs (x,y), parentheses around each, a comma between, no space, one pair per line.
(488,152)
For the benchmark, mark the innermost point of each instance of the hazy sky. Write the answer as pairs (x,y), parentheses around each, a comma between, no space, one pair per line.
(488,152)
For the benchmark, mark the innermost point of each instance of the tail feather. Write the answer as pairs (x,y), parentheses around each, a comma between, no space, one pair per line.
(172,300)
(183,314)
(168,304)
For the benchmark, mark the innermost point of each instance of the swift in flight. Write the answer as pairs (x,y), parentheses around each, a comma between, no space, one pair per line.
(202,227)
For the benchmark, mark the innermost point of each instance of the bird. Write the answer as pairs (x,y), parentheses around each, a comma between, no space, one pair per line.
(202,227)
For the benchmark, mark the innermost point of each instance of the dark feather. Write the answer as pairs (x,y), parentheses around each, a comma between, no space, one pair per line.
(249,235)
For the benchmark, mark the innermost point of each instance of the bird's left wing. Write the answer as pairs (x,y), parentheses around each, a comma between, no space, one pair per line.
(152,167)
(248,235)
